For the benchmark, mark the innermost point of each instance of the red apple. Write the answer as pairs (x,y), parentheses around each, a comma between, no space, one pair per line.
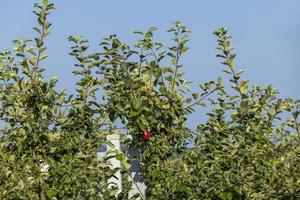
(146,135)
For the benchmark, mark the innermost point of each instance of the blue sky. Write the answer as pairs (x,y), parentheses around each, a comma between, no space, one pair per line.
(266,34)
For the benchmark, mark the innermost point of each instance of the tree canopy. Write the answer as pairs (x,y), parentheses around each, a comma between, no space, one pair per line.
(248,148)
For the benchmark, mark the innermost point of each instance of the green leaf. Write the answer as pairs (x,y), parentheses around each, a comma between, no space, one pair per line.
(163,90)
(137,104)
(37,30)
(227,71)
(200,103)
(43,57)
(188,100)
(142,124)
(195,95)
(138,32)
(243,87)
(231,64)
(116,43)
(119,156)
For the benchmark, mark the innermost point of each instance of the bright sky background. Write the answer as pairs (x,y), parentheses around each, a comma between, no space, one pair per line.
(266,34)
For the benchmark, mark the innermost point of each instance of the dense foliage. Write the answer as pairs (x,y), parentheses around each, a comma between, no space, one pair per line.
(247,149)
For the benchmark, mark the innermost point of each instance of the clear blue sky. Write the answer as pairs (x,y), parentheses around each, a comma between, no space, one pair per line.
(266,33)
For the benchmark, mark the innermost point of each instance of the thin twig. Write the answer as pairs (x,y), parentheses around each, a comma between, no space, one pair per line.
(201,99)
